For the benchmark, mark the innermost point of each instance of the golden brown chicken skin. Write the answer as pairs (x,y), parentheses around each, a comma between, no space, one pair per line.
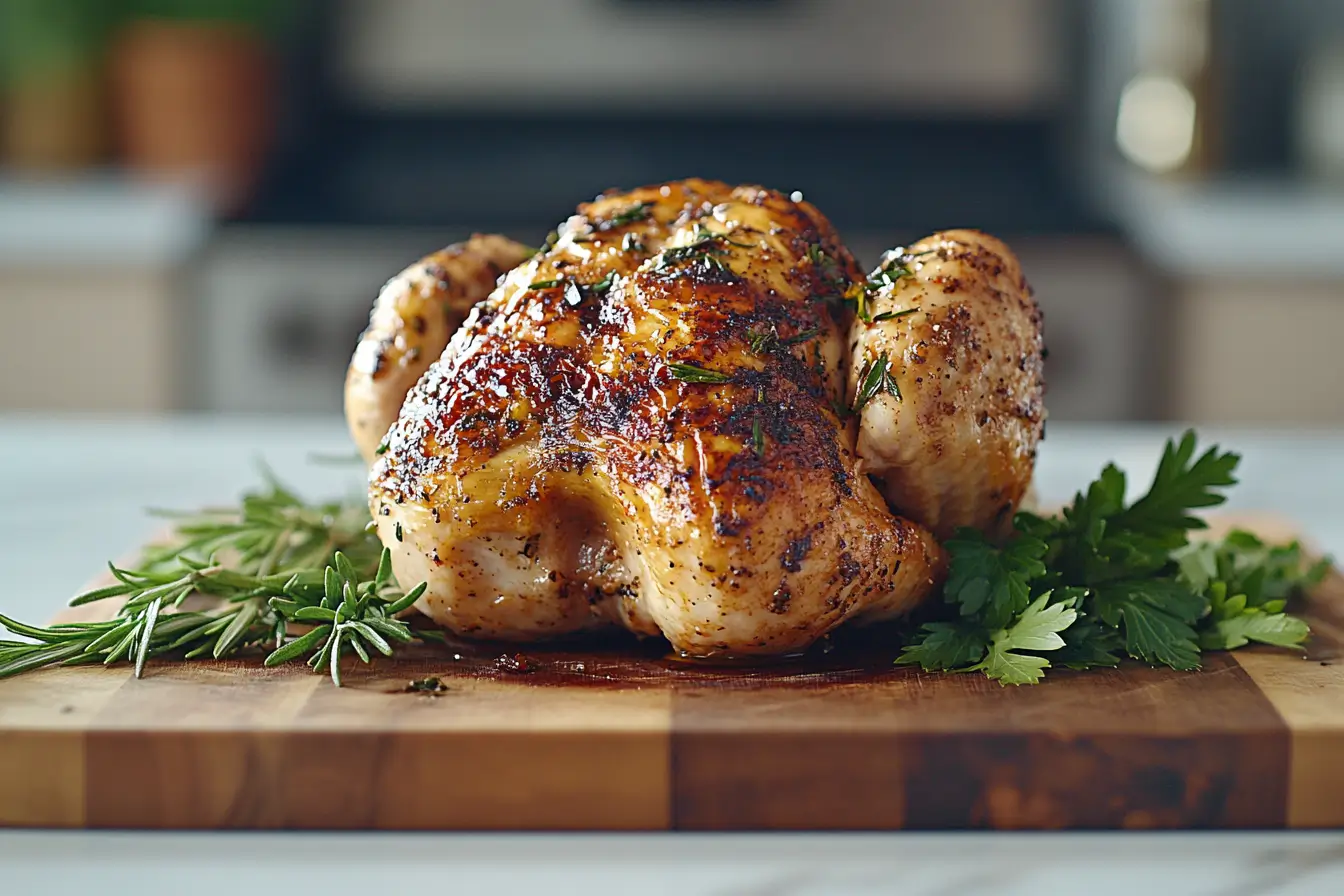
(416,313)
(639,427)
(954,441)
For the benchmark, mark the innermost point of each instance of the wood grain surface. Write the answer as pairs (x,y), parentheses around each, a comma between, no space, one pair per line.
(606,736)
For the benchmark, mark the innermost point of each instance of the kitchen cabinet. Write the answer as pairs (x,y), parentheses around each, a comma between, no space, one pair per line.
(81,337)
(1258,350)
(92,292)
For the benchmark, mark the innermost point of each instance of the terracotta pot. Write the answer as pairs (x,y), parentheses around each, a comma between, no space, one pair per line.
(194,99)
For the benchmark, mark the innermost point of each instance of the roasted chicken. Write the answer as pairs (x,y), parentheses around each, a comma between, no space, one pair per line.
(651,424)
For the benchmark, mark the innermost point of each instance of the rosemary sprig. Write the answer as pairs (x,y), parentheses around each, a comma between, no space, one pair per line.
(348,610)
(875,378)
(705,246)
(893,315)
(689,373)
(269,564)
(638,212)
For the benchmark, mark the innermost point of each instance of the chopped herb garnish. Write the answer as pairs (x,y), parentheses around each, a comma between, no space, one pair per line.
(603,285)
(397,531)
(637,212)
(893,315)
(758,438)
(546,284)
(551,239)
(761,342)
(689,373)
(765,341)
(692,253)
(827,266)
(631,243)
(857,296)
(382,447)
(706,246)
(432,685)
(875,378)
(800,337)
(894,268)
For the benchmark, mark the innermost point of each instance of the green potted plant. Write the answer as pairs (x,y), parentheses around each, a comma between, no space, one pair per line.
(51,55)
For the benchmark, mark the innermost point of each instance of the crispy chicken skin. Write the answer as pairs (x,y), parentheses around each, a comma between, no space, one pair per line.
(639,427)
(415,314)
(959,445)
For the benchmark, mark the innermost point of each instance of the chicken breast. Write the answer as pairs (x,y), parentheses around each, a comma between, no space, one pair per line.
(946,367)
(642,427)
(411,322)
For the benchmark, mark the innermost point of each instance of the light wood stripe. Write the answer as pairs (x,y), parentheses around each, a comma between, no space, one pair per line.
(1308,692)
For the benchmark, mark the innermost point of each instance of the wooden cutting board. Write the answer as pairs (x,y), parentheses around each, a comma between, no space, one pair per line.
(610,739)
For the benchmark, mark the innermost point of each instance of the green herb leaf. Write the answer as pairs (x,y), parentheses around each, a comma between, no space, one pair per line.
(1089,644)
(989,583)
(1157,616)
(945,646)
(1037,629)
(690,373)
(894,315)
(1253,624)
(299,646)
(875,379)
(637,212)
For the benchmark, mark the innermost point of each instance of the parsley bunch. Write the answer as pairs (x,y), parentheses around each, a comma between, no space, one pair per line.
(1105,579)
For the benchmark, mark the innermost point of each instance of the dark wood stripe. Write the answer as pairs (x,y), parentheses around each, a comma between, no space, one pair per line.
(1131,748)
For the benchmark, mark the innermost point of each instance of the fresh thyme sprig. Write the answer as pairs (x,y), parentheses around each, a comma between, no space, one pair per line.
(272,563)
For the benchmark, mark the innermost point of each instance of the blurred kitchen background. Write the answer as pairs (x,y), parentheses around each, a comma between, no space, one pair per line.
(200,198)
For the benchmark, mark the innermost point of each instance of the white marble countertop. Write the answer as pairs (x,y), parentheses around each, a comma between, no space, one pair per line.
(109,219)
(71,492)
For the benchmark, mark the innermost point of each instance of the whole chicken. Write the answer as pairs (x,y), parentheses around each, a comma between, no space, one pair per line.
(650,424)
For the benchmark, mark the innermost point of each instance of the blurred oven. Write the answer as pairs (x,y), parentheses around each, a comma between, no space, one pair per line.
(278,310)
